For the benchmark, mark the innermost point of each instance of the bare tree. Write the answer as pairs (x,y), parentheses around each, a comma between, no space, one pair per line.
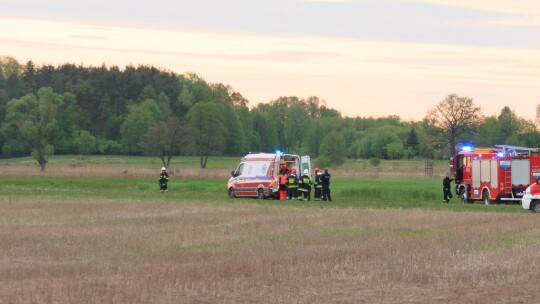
(454,119)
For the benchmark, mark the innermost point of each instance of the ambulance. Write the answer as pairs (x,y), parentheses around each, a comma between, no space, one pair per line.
(257,174)
(531,199)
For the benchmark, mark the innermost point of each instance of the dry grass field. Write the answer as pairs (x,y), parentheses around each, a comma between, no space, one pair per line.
(83,243)
(242,252)
(119,167)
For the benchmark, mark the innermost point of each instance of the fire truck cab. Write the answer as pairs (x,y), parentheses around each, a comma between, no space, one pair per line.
(501,173)
(257,175)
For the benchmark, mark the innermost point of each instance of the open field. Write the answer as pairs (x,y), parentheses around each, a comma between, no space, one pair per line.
(188,167)
(104,251)
(68,236)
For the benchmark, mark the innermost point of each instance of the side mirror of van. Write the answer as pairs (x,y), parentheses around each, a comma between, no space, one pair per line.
(233,174)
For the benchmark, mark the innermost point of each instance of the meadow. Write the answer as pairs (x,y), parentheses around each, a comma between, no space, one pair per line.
(97,230)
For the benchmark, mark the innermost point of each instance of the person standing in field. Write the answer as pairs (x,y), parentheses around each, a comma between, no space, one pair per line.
(163,180)
(325,181)
(292,185)
(304,186)
(318,184)
(283,181)
(447,194)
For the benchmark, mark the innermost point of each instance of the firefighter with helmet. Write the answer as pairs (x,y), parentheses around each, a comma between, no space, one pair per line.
(304,186)
(292,185)
(163,180)
(318,184)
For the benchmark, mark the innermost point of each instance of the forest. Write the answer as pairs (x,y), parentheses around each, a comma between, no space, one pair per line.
(145,110)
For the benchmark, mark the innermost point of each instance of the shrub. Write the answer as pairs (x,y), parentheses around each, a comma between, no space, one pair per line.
(375,161)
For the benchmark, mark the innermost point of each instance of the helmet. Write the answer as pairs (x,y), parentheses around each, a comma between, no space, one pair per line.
(163,169)
(306,171)
(317,170)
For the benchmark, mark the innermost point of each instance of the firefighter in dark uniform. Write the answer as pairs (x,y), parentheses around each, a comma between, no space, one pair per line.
(292,185)
(304,186)
(447,194)
(318,184)
(459,178)
(163,180)
(325,180)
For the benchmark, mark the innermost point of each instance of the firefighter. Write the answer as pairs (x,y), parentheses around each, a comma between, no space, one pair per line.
(283,181)
(447,194)
(318,184)
(325,181)
(459,178)
(163,180)
(304,186)
(459,175)
(292,185)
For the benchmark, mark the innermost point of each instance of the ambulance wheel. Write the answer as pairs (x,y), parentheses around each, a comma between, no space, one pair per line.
(536,207)
(232,194)
(260,193)
(486,199)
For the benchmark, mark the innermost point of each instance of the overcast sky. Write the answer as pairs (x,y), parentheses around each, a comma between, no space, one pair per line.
(363,57)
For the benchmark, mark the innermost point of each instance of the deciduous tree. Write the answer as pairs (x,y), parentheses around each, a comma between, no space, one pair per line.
(332,150)
(234,134)
(454,119)
(207,131)
(166,139)
(296,124)
(139,119)
(32,122)
(318,129)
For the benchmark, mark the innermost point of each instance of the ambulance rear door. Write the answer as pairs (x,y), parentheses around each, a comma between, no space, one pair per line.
(305,163)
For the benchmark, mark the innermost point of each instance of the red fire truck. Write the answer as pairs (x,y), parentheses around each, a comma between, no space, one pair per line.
(501,173)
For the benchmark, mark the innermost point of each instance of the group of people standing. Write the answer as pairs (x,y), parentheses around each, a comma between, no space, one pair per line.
(290,185)
(293,187)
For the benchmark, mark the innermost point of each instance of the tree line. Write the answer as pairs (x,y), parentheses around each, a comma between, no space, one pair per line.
(144,110)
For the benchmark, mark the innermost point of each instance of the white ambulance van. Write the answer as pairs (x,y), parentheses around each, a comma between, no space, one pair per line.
(257,175)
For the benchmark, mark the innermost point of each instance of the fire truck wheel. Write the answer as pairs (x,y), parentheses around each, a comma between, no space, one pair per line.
(463,197)
(486,199)
(260,194)
(232,194)
(536,207)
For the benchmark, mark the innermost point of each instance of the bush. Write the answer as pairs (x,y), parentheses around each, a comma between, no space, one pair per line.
(85,143)
(108,147)
(394,150)
(322,161)
(375,161)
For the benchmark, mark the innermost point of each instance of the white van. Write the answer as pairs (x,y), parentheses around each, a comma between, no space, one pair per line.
(257,175)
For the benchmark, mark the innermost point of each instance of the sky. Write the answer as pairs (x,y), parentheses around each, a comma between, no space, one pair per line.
(362,57)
